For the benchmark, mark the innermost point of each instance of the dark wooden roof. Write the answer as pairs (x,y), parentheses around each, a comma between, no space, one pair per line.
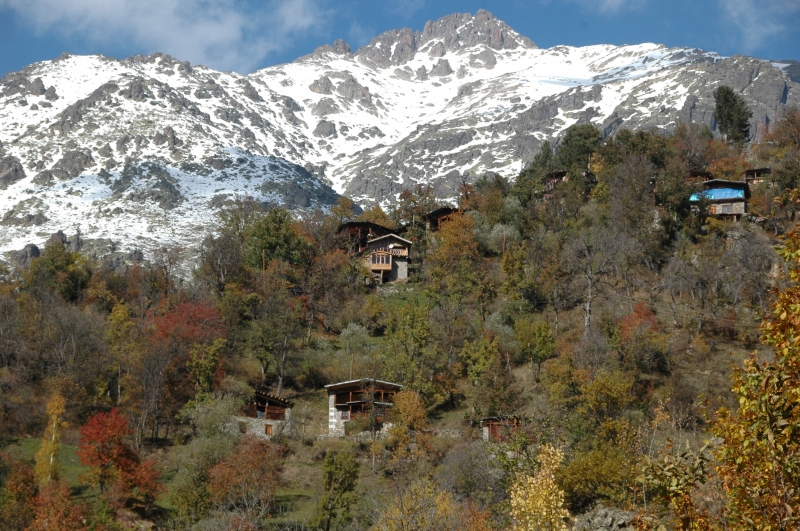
(439,213)
(758,171)
(273,400)
(361,383)
(724,183)
(364,225)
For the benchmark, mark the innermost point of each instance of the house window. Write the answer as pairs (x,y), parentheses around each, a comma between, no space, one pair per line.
(268,430)
(345,415)
(727,209)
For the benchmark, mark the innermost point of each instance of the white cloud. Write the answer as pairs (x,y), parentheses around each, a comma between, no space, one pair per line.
(406,8)
(223,34)
(359,35)
(610,7)
(759,21)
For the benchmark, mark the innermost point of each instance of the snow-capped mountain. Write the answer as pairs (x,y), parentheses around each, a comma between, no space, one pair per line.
(143,151)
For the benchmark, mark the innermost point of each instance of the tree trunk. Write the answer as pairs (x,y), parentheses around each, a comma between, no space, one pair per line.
(282,364)
(588,308)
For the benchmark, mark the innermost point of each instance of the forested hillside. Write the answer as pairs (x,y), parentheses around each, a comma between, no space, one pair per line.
(637,353)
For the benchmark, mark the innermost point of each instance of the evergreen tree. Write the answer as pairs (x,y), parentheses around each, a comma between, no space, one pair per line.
(578,144)
(732,115)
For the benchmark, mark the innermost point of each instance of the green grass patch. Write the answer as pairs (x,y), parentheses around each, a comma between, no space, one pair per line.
(71,468)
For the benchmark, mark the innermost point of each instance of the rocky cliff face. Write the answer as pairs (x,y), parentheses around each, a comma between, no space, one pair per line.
(143,151)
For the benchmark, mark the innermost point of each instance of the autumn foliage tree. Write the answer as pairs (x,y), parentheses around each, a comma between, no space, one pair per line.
(246,481)
(48,466)
(56,511)
(112,461)
(759,460)
(17,492)
(537,503)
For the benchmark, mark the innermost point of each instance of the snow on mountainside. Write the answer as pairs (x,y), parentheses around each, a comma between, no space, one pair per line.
(141,152)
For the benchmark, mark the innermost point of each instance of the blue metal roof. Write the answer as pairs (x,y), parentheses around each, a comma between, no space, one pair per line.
(717,194)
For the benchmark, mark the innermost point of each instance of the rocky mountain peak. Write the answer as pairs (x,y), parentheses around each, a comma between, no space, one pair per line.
(464,30)
(451,33)
(142,152)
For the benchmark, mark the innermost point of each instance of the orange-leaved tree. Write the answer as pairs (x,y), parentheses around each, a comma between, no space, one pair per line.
(104,448)
(56,511)
(247,479)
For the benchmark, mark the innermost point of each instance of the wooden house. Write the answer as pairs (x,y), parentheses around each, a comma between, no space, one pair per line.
(551,181)
(434,220)
(387,258)
(349,400)
(265,415)
(757,175)
(354,235)
(727,199)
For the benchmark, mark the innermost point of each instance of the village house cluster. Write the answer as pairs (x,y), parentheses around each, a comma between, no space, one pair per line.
(387,256)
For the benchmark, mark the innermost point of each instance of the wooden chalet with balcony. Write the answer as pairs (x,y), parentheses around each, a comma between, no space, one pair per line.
(387,258)
(349,400)
(265,415)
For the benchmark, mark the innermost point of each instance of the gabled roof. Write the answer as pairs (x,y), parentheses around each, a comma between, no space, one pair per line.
(390,236)
(363,225)
(276,400)
(439,212)
(377,383)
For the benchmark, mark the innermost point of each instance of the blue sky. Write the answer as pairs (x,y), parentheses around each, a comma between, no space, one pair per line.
(244,35)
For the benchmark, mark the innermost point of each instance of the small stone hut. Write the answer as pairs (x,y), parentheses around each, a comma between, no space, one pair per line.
(265,415)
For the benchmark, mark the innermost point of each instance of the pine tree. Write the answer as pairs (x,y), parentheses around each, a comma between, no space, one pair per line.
(732,115)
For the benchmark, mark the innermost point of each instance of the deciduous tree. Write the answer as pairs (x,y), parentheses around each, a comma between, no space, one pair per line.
(48,466)
(537,504)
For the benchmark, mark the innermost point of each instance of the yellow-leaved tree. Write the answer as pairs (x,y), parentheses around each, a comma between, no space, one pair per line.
(537,503)
(48,466)
(419,506)
(755,460)
(759,460)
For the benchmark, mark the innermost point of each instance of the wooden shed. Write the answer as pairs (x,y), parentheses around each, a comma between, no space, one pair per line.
(502,428)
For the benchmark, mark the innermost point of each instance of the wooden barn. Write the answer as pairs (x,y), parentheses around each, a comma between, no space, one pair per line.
(265,415)
(354,398)
(387,258)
